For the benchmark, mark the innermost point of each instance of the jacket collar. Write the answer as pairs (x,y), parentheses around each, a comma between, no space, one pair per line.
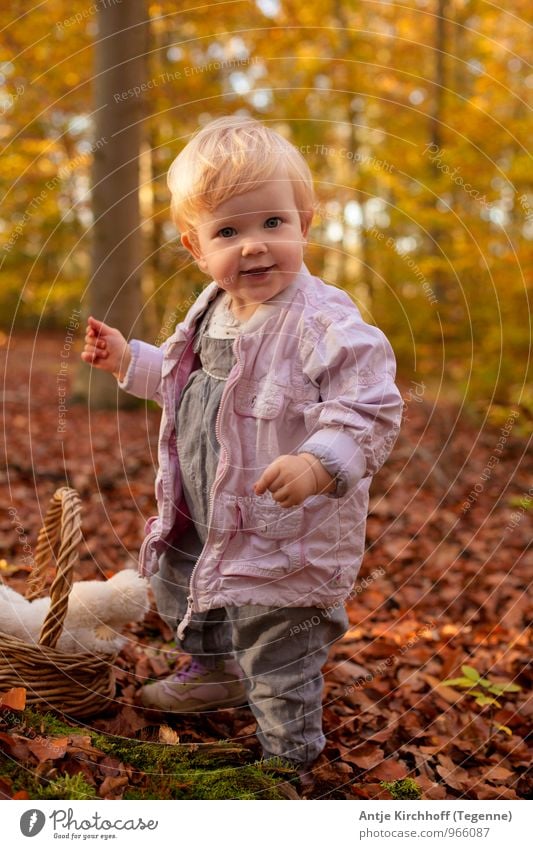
(267,311)
(281,302)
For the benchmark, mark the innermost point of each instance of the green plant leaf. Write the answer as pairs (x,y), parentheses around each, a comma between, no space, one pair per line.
(522,501)
(504,728)
(471,673)
(498,689)
(458,682)
(486,700)
(512,688)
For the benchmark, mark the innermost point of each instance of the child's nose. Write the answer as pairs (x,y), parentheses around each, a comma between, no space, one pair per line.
(253,246)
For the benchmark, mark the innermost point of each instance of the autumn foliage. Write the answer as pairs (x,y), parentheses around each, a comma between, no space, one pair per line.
(443,585)
(416,127)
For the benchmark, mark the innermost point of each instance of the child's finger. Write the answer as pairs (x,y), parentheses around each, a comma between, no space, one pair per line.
(91,335)
(99,327)
(266,480)
(259,486)
(89,357)
(92,345)
(92,338)
(94,353)
(280,494)
(285,497)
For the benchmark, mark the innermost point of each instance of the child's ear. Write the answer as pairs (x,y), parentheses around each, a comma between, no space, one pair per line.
(193,247)
(306,217)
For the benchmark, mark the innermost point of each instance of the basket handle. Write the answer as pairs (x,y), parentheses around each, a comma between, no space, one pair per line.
(61,525)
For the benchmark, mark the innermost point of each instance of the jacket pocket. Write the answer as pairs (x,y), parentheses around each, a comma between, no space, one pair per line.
(278,529)
(266,542)
(261,515)
(258,400)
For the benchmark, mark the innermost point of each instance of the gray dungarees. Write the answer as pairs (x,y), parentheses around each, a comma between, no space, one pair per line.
(280,650)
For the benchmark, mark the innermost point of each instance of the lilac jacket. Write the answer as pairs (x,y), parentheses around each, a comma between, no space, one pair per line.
(310,375)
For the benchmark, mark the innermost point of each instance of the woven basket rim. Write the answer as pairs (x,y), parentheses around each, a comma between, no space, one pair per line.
(47,651)
(37,662)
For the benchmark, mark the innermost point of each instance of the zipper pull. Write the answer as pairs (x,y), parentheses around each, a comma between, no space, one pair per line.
(186,619)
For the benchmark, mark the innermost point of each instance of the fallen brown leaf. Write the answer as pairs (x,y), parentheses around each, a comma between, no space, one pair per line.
(364,756)
(487,791)
(430,789)
(112,786)
(452,774)
(168,735)
(48,748)
(125,723)
(498,773)
(370,791)
(6,790)
(15,698)
(449,695)
(389,770)
(16,745)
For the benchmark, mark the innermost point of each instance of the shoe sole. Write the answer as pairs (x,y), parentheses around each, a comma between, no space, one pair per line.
(200,709)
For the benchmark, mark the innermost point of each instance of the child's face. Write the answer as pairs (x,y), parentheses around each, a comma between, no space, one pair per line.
(252,244)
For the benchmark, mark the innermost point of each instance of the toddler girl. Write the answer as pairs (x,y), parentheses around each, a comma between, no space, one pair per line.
(278,405)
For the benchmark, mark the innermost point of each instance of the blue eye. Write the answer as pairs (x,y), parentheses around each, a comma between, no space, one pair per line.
(272,223)
(227,232)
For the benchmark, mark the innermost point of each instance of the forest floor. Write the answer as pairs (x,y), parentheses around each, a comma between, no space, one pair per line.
(443,585)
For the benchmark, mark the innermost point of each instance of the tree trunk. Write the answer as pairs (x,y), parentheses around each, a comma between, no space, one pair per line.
(436,122)
(115,290)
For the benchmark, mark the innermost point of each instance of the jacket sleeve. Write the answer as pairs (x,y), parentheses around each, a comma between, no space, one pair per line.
(143,377)
(354,425)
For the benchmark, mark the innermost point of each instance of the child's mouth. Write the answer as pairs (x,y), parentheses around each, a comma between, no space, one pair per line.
(257,272)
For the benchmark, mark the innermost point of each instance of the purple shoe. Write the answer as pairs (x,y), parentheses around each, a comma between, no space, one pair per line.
(197,688)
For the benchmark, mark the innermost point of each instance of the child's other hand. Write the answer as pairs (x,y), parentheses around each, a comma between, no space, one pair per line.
(293,478)
(106,348)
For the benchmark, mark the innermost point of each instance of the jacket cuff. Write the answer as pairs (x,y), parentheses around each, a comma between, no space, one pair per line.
(126,381)
(339,455)
(144,371)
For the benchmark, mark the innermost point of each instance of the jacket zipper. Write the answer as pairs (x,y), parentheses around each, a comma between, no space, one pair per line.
(220,473)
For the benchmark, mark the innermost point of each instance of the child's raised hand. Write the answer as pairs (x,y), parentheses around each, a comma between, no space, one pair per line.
(106,348)
(293,478)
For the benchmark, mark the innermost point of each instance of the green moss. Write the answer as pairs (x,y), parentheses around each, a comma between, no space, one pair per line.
(248,782)
(162,758)
(49,723)
(24,778)
(178,773)
(63,787)
(245,782)
(219,771)
(405,788)
(67,787)
(19,777)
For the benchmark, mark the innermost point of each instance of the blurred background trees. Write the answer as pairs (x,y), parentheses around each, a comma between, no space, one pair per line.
(415,120)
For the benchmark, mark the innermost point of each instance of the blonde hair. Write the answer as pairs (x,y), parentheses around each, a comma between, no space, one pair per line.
(227,157)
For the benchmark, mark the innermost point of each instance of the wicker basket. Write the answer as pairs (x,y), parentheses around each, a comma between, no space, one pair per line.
(75,684)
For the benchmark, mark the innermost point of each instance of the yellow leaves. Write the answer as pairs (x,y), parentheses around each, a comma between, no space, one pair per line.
(337,75)
(43,52)
(46,167)
(5,567)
